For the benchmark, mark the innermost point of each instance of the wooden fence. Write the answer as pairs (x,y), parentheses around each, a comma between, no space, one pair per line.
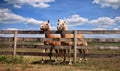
(16,40)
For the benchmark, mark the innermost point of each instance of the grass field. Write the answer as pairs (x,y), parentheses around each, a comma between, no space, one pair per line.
(94,64)
(33,63)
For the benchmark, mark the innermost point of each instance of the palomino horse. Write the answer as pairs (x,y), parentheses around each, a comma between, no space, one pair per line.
(80,42)
(46,27)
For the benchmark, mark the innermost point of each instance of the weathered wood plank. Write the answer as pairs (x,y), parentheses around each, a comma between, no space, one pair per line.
(102,39)
(15,44)
(64,32)
(98,31)
(2,39)
(6,38)
(7,32)
(52,47)
(75,47)
(42,46)
(33,32)
(99,47)
(44,32)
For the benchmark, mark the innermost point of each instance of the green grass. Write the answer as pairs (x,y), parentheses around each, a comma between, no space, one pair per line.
(93,64)
(33,63)
(26,63)
(9,59)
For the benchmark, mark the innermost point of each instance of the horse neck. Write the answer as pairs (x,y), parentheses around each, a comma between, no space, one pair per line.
(48,35)
(63,35)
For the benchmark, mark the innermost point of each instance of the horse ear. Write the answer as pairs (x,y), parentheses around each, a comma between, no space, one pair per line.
(58,20)
(48,21)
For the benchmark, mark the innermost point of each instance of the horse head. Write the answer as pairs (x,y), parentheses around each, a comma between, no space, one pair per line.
(45,26)
(61,25)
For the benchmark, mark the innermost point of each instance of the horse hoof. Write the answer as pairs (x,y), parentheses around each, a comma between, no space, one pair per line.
(80,61)
(86,59)
(56,60)
(42,62)
(70,63)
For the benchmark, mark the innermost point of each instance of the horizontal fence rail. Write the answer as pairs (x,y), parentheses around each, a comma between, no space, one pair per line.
(20,42)
(60,39)
(64,32)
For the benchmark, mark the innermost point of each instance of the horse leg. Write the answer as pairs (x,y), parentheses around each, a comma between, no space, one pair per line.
(80,52)
(85,51)
(69,56)
(56,55)
(64,53)
(61,53)
(50,54)
(43,59)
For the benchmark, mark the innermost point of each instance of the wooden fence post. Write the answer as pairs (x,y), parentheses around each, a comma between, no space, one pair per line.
(15,44)
(75,47)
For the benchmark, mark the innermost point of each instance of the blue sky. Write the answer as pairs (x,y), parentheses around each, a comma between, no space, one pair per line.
(79,14)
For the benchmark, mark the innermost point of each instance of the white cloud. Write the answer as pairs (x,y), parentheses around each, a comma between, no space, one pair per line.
(115,4)
(6,16)
(99,28)
(103,22)
(117,28)
(17,6)
(117,19)
(11,29)
(34,3)
(76,20)
(33,21)
(53,27)
(41,5)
